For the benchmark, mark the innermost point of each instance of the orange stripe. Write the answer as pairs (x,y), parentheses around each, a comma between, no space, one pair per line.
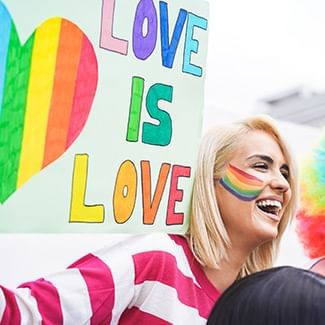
(63,91)
(243,176)
(242,184)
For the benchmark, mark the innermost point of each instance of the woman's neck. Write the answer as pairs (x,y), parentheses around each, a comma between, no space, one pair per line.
(228,269)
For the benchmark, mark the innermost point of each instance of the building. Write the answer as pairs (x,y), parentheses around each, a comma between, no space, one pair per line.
(297,105)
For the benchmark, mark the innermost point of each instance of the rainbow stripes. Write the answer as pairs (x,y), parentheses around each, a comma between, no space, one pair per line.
(244,186)
(311,216)
(46,91)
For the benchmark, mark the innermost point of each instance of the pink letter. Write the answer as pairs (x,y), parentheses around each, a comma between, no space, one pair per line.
(107,40)
(175,194)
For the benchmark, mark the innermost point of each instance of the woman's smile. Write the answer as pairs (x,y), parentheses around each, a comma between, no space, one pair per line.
(255,191)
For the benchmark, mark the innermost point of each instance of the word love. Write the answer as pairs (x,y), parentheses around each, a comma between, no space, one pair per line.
(125,193)
(145,31)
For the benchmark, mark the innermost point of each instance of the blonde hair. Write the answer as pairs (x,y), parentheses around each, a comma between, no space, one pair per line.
(207,233)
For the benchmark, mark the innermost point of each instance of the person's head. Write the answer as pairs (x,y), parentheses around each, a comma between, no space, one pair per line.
(245,188)
(281,296)
(310,222)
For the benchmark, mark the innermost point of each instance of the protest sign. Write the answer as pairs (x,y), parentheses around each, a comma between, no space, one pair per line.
(100,114)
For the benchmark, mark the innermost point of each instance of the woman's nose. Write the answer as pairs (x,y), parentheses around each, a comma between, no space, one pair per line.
(279,183)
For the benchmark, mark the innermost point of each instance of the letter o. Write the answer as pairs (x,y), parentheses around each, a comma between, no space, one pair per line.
(143,45)
(125,192)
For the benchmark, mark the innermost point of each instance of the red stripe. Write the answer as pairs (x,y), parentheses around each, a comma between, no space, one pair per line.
(237,171)
(67,62)
(86,84)
(162,266)
(11,314)
(196,268)
(136,316)
(48,301)
(100,284)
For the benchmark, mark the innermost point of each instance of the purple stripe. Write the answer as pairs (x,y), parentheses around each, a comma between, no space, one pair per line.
(238,195)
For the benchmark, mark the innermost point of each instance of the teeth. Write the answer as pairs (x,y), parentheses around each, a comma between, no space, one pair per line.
(274,203)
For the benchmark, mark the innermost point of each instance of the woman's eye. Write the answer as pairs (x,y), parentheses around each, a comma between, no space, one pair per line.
(285,173)
(260,166)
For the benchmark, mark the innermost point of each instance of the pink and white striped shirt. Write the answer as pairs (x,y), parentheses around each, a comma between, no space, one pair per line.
(146,279)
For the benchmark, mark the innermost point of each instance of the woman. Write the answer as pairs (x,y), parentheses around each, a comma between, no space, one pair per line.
(244,196)
(228,235)
(281,296)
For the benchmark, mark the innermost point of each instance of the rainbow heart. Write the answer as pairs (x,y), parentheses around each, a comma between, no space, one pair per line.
(47,87)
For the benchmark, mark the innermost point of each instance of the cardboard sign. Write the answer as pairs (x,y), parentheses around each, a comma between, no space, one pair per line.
(100,113)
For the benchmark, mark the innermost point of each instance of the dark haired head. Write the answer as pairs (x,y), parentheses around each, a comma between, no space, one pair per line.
(278,296)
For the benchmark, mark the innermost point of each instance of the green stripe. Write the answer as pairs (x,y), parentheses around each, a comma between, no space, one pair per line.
(13,113)
(241,190)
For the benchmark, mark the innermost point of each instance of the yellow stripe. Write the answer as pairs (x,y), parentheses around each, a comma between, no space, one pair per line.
(243,185)
(39,98)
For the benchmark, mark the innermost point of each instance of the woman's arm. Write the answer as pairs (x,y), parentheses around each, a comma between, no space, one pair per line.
(89,289)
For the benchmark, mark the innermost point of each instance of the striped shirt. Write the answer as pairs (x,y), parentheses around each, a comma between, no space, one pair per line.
(146,279)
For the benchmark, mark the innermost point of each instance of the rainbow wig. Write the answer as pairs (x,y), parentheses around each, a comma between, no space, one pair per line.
(311,216)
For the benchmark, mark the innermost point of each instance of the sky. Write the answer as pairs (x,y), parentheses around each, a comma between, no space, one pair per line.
(258,48)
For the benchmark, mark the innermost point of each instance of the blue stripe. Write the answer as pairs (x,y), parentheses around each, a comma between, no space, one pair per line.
(5,26)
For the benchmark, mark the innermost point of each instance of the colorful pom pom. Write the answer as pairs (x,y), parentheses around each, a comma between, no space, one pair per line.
(311,217)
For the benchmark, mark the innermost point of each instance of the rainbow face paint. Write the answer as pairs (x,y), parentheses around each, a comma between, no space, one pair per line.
(244,186)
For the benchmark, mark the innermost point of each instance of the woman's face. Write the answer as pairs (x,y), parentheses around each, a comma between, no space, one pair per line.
(255,191)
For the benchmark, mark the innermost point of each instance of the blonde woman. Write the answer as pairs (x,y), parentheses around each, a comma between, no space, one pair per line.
(244,196)
(230,236)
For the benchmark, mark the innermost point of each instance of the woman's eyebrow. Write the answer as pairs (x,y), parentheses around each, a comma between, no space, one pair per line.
(266,158)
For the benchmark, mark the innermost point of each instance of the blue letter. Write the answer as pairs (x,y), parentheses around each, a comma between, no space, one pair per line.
(192,45)
(168,50)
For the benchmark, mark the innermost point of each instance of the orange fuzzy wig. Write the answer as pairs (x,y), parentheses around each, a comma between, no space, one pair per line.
(311,217)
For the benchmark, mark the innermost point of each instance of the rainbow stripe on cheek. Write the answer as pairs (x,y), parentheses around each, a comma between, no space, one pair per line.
(244,186)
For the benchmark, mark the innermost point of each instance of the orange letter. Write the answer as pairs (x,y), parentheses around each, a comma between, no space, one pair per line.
(125,192)
(150,208)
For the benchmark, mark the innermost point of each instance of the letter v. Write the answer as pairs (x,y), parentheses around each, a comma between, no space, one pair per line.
(168,50)
(150,208)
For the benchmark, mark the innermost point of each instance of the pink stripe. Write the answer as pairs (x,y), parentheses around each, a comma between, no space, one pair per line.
(196,268)
(11,314)
(161,266)
(100,284)
(86,84)
(236,171)
(48,301)
(137,316)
